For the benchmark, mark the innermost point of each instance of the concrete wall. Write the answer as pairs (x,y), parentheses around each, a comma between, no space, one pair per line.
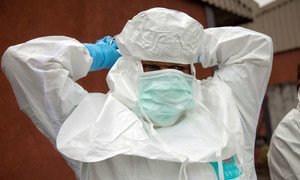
(24,152)
(280,20)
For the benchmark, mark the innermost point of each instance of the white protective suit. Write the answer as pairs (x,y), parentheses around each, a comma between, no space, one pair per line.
(284,152)
(102,132)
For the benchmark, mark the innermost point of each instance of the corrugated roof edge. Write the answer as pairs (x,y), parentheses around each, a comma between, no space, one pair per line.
(244,8)
(272,6)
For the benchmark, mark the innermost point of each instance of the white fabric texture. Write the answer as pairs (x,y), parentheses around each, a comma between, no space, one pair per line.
(284,152)
(164,35)
(42,73)
(103,132)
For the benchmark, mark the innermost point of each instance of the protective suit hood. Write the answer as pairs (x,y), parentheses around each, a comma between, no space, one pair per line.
(164,35)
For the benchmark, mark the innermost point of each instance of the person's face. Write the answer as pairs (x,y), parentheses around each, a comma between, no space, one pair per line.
(154,66)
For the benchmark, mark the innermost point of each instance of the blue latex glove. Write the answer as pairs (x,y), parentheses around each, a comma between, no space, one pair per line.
(230,170)
(104,53)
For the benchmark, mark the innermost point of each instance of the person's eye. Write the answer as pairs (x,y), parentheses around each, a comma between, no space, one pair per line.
(151,67)
(179,68)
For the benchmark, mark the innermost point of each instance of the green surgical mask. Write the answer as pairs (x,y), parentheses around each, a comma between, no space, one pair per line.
(164,96)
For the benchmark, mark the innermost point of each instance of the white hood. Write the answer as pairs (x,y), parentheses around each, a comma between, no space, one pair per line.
(164,35)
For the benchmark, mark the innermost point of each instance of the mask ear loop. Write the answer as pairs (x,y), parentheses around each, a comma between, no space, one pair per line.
(148,125)
(141,113)
(150,128)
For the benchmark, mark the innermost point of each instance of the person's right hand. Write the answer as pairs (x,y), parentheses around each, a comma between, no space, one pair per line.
(104,53)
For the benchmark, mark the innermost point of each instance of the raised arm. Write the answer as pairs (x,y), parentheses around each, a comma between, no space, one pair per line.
(42,73)
(244,60)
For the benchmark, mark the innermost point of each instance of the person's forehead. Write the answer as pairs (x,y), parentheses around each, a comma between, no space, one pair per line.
(163,63)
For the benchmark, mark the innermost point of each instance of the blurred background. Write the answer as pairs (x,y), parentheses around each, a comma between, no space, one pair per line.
(26,154)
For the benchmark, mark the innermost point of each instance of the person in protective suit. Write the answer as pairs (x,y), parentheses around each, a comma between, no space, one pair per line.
(157,121)
(284,155)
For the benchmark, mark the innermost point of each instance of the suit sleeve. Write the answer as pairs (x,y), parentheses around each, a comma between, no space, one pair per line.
(244,60)
(42,73)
